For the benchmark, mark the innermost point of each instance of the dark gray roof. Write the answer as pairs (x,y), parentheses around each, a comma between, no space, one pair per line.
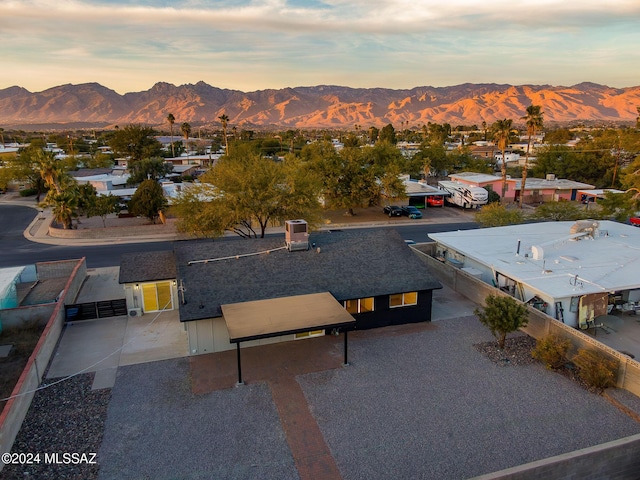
(349,265)
(147,266)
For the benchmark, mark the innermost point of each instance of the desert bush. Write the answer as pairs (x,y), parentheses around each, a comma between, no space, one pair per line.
(27,192)
(596,369)
(552,350)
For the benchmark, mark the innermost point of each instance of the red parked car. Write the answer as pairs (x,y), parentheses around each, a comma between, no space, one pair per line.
(435,201)
(635,221)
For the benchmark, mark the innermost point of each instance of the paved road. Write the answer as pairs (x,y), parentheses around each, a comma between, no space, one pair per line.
(16,250)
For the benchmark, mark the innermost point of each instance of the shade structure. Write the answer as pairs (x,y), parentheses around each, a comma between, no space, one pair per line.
(282,316)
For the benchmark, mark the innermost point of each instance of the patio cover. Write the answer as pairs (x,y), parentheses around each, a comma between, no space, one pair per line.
(282,316)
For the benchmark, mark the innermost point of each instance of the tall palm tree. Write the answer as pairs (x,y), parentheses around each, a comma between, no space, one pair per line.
(50,169)
(171,119)
(534,122)
(185,128)
(502,131)
(224,120)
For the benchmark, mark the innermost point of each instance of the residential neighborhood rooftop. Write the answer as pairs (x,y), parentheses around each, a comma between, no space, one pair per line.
(553,259)
(349,265)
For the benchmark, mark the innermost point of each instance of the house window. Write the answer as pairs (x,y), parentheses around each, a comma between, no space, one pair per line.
(403,299)
(157,296)
(312,333)
(359,305)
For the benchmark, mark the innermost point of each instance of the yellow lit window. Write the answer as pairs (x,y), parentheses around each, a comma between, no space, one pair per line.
(403,299)
(359,305)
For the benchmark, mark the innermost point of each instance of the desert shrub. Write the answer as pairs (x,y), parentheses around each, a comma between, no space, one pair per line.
(596,369)
(552,350)
(27,192)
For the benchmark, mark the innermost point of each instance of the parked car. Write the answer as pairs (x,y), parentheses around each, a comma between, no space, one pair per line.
(411,211)
(392,210)
(435,201)
(635,221)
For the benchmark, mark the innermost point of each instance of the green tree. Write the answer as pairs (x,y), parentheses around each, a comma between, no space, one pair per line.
(23,167)
(87,196)
(185,128)
(224,120)
(619,206)
(171,119)
(502,315)
(244,188)
(497,215)
(103,206)
(534,122)
(63,200)
(148,200)
(501,133)
(347,179)
(149,168)
(559,211)
(388,134)
(135,142)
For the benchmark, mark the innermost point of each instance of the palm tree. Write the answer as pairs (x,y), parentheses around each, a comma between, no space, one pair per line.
(171,119)
(502,131)
(225,121)
(185,128)
(50,169)
(534,122)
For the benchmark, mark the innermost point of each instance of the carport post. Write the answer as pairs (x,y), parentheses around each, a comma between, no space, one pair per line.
(240,382)
(346,361)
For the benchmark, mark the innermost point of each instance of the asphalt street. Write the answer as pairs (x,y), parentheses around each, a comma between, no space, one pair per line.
(16,250)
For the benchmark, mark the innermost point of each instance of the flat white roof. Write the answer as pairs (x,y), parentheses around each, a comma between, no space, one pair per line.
(608,262)
(413,187)
(475,177)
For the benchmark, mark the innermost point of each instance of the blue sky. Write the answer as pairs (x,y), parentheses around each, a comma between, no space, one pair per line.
(253,45)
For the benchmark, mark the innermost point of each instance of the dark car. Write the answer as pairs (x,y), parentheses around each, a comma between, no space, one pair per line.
(411,211)
(392,210)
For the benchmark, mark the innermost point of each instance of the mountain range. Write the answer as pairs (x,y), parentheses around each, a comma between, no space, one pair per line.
(322,106)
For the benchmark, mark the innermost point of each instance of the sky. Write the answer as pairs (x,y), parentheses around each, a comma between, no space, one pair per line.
(250,45)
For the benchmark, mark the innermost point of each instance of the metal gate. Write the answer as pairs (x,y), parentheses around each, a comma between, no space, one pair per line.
(91,310)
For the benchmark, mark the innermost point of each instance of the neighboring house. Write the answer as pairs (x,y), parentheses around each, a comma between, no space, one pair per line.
(374,275)
(573,271)
(105,181)
(594,195)
(536,189)
(419,193)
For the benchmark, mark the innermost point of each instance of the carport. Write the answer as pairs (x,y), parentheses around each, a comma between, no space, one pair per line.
(284,316)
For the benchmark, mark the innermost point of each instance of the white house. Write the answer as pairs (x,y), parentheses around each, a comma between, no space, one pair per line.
(573,271)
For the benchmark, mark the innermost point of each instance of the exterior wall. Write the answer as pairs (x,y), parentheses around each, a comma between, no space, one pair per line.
(16,408)
(383,315)
(616,460)
(134,298)
(210,335)
(28,316)
(451,256)
(59,269)
(114,232)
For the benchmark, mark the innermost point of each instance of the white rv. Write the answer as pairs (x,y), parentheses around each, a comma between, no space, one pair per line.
(464,195)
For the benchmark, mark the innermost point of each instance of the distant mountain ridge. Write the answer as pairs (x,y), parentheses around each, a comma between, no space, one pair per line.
(322,106)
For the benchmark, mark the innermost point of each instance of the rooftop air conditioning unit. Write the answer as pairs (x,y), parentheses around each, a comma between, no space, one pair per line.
(135,312)
(551,177)
(296,234)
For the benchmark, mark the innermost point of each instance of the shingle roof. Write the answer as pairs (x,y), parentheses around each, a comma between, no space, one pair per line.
(147,266)
(349,265)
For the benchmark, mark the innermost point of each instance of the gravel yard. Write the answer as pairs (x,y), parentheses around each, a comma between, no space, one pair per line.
(435,404)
